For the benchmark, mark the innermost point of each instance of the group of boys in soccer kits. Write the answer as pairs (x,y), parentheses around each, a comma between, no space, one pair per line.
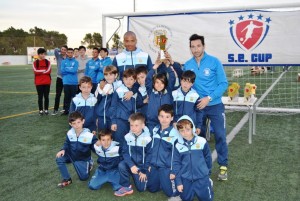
(142,126)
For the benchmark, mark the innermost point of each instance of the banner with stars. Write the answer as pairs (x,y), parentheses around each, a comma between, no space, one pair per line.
(240,38)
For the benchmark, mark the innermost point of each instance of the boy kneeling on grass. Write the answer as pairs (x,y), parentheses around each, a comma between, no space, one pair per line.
(76,150)
(108,152)
(192,163)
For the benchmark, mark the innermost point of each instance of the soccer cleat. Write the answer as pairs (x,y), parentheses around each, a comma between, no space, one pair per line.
(124,191)
(223,173)
(46,112)
(64,183)
(54,112)
(41,113)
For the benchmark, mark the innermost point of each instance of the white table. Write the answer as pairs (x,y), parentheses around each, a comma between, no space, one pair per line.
(252,111)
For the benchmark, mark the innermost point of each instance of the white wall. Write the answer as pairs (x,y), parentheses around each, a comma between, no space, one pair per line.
(13,60)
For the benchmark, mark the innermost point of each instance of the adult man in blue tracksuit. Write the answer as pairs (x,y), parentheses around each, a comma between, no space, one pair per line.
(69,68)
(210,84)
(132,56)
(104,61)
(92,68)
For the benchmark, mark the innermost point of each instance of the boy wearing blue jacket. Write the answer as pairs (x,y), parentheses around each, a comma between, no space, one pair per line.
(92,68)
(186,99)
(76,150)
(192,163)
(85,102)
(108,152)
(161,174)
(104,94)
(136,154)
(121,108)
(141,74)
(159,89)
(69,68)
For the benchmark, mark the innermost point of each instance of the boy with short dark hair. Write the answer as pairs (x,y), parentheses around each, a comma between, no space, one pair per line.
(192,163)
(69,68)
(76,149)
(108,152)
(141,74)
(164,137)
(85,102)
(122,109)
(186,99)
(136,154)
(82,60)
(42,80)
(92,68)
(104,94)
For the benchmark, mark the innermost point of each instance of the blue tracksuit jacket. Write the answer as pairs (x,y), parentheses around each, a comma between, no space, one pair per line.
(131,59)
(87,108)
(108,159)
(156,99)
(122,109)
(144,108)
(92,68)
(137,150)
(192,159)
(162,148)
(69,68)
(79,148)
(186,104)
(103,106)
(210,77)
(103,63)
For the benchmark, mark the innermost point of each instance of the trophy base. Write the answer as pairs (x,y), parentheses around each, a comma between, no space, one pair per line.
(162,55)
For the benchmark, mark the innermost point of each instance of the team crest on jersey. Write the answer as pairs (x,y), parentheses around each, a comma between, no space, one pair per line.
(249,31)
(197,145)
(206,71)
(191,99)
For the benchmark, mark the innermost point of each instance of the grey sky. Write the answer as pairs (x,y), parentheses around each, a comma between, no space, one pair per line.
(75,18)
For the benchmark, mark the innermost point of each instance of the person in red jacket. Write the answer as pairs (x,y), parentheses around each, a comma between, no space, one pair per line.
(42,80)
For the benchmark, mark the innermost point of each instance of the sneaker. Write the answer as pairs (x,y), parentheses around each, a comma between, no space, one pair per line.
(46,112)
(124,191)
(55,112)
(223,173)
(64,183)
(62,111)
(41,113)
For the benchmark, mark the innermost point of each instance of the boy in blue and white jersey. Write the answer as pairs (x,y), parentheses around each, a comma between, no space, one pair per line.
(121,108)
(161,174)
(92,68)
(85,103)
(108,152)
(192,163)
(104,61)
(76,149)
(186,99)
(136,153)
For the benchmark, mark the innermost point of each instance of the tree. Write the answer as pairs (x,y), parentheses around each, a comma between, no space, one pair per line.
(117,43)
(92,40)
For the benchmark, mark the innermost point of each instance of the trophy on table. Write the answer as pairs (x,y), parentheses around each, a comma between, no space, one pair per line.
(162,40)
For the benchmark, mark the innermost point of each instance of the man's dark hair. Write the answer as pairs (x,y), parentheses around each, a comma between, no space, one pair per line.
(130,72)
(104,132)
(41,51)
(167,108)
(65,46)
(74,116)
(162,77)
(71,49)
(82,47)
(189,76)
(197,37)
(104,49)
(96,48)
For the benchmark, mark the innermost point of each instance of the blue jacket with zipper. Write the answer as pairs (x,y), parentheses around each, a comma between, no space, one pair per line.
(108,159)
(137,150)
(131,59)
(192,159)
(79,148)
(69,68)
(92,68)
